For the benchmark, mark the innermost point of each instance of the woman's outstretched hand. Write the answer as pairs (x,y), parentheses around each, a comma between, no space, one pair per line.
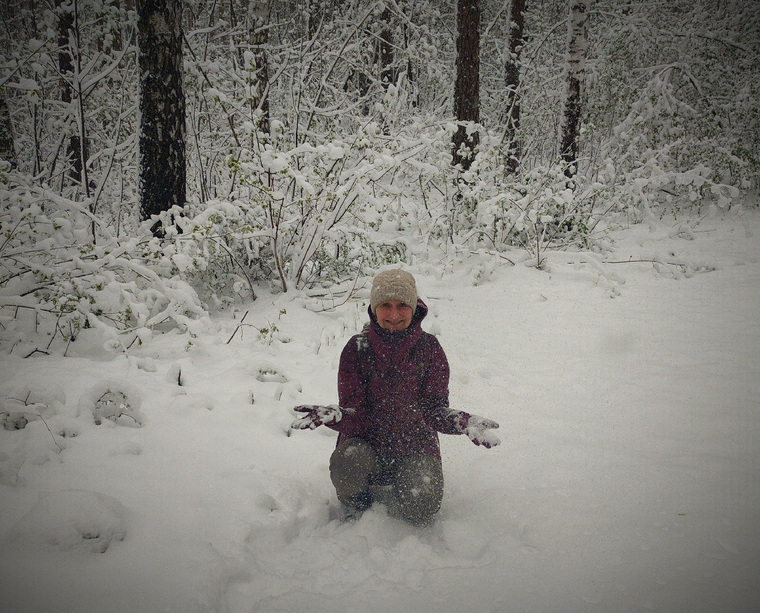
(315,415)
(478,429)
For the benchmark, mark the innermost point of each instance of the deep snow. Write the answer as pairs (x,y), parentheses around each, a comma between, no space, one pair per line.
(628,478)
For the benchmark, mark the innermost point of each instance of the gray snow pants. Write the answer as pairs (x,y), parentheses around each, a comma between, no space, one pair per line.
(411,486)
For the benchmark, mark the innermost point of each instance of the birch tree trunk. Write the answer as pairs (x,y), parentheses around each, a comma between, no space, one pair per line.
(162,172)
(512,79)
(467,84)
(577,45)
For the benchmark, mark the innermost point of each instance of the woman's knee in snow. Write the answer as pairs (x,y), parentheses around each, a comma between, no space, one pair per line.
(419,488)
(352,466)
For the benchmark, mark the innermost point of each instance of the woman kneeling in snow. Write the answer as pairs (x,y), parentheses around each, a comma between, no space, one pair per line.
(393,390)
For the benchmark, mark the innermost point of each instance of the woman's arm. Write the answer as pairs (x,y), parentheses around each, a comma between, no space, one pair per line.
(435,393)
(351,390)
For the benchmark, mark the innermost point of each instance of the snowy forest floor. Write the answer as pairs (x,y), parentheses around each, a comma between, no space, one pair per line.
(628,478)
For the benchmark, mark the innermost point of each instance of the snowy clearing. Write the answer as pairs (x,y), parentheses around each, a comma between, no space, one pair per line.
(628,478)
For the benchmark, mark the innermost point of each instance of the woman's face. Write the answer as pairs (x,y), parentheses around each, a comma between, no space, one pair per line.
(394,315)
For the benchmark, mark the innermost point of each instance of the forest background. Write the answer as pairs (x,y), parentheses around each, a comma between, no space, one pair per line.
(317,147)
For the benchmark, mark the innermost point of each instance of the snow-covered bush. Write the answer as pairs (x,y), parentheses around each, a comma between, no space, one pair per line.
(536,208)
(72,99)
(662,162)
(21,405)
(670,101)
(117,401)
(55,280)
(317,212)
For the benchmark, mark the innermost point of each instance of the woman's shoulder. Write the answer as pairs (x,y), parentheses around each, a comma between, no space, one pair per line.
(358,343)
(430,340)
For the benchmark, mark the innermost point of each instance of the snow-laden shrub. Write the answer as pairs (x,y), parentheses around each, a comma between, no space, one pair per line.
(223,251)
(315,212)
(322,214)
(22,405)
(537,208)
(663,157)
(117,401)
(61,271)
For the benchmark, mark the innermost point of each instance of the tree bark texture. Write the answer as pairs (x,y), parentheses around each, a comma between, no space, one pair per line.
(66,71)
(259,41)
(7,147)
(162,106)
(512,81)
(577,45)
(385,51)
(385,56)
(467,84)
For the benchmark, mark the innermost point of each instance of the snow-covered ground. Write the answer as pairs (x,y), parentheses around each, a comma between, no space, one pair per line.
(628,478)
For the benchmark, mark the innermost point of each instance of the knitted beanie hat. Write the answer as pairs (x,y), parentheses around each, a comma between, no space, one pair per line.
(393,285)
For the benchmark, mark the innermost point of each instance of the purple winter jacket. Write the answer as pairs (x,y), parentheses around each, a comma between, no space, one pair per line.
(398,385)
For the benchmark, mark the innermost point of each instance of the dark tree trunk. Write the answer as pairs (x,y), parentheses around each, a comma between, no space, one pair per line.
(162,106)
(385,51)
(388,75)
(66,70)
(314,17)
(512,121)
(259,41)
(467,84)
(577,45)
(7,148)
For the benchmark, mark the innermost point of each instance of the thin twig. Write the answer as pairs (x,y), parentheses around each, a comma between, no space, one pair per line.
(236,329)
(43,421)
(350,292)
(642,262)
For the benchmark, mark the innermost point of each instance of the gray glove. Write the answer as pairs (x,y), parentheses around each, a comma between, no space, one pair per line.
(478,429)
(315,415)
